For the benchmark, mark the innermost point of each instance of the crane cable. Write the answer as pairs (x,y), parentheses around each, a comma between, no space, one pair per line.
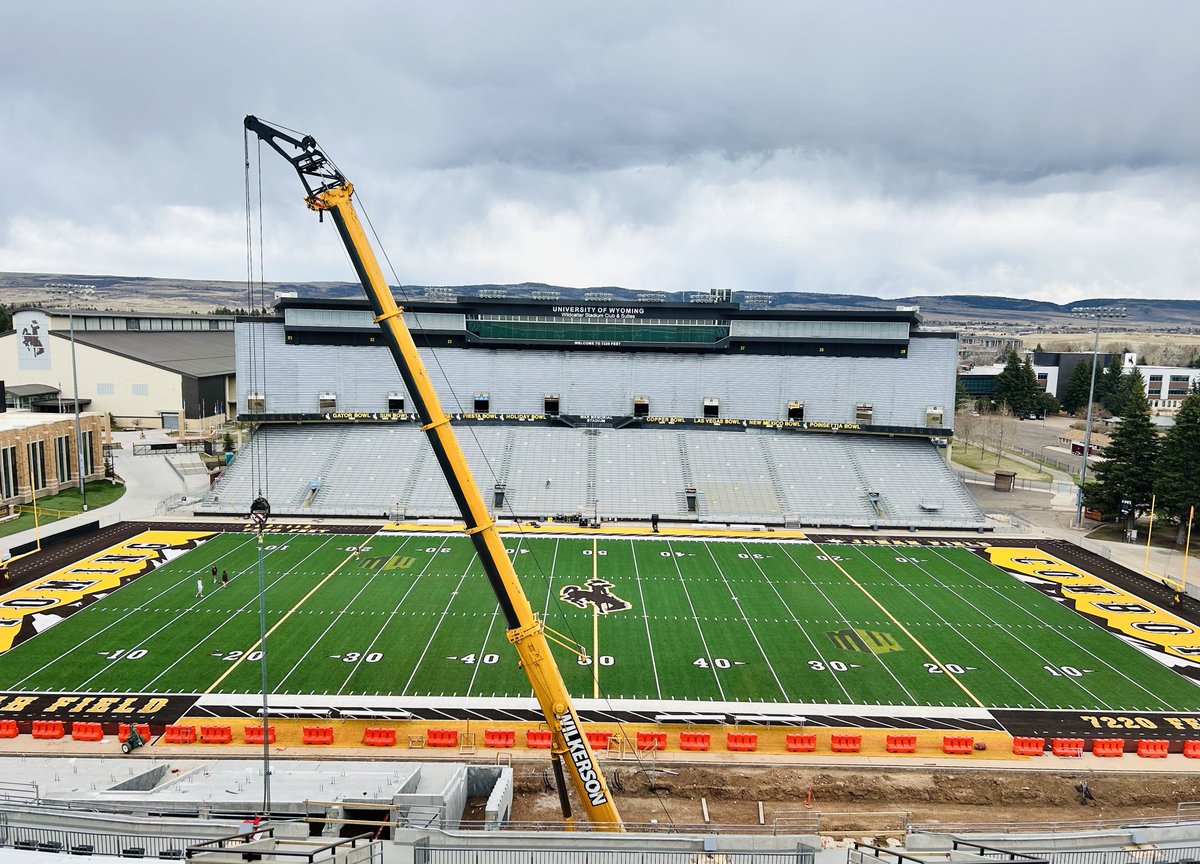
(256,353)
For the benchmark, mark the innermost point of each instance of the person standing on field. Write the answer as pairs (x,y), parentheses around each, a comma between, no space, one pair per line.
(224,578)
(199,587)
(214,574)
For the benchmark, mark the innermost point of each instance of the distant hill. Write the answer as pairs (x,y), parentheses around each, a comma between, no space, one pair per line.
(149,294)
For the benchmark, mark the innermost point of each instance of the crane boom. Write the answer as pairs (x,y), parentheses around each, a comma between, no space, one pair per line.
(329,191)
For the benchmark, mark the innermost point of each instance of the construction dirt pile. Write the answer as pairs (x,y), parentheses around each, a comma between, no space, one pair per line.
(874,801)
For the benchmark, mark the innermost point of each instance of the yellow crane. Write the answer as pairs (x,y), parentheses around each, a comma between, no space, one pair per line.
(330,192)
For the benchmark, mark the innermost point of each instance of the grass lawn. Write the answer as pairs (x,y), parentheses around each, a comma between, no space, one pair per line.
(64,504)
(984,461)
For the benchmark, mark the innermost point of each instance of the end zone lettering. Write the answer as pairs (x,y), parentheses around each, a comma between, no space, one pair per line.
(72,706)
(582,759)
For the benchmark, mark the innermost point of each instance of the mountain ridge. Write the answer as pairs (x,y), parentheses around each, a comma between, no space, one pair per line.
(155,294)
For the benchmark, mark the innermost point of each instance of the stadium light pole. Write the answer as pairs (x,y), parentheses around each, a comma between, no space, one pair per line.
(1099,313)
(72,291)
(259,511)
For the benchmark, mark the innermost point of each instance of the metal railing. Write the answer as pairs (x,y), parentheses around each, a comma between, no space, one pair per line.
(993,853)
(360,849)
(18,791)
(1111,824)
(1164,855)
(58,839)
(575,855)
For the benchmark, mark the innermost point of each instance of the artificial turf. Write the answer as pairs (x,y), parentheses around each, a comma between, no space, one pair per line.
(711,620)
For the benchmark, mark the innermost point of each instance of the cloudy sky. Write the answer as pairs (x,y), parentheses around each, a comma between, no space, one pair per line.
(1048,151)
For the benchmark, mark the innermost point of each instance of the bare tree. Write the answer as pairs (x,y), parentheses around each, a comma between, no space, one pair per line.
(966,423)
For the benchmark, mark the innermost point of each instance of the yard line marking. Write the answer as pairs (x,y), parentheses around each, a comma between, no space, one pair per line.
(238,662)
(843,620)
(1025,611)
(896,621)
(202,569)
(279,685)
(955,627)
(704,642)
(738,603)
(453,596)
(637,574)
(383,627)
(595,631)
(492,622)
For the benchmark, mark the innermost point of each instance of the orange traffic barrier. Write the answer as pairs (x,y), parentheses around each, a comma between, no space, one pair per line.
(744,741)
(216,734)
(599,739)
(901,744)
(1029,746)
(1191,749)
(694,740)
(441,737)
(1066,746)
(143,730)
(1108,746)
(499,738)
(651,741)
(801,742)
(8,729)
(87,730)
(538,739)
(174,734)
(845,743)
(379,736)
(1153,748)
(317,734)
(957,745)
(48,729)
(254,734)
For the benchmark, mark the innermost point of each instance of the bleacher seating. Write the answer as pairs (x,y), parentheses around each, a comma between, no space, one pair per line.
(739,477)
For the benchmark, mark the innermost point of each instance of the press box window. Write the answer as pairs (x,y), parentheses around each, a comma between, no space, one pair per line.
(396,403)
(863,412)
(256,403)
(327,402)
(934,415)
(550,404)
(795,411)
(712,407)
(482,403)
(641,407)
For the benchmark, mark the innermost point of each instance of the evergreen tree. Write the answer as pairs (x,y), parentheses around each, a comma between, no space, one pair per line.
(1127,471)
(1030,391)
(1111,387)
(961,397)
(1010,385)
(1178,484)
(1075,396)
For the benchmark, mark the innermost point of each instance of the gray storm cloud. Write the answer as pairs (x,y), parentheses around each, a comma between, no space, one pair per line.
(1036,150)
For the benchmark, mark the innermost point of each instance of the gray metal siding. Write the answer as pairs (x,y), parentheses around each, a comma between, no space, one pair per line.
(596,382)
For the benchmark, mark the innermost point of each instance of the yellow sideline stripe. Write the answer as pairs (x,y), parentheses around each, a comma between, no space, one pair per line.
(288,614)
(894,620)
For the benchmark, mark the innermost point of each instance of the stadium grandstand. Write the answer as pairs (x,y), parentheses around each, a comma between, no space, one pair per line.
(606,410)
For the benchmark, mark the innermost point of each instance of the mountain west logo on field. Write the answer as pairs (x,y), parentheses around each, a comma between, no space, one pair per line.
(865,641)
(598,594)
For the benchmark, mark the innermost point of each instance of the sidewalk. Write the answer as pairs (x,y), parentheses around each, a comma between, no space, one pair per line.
(149,481)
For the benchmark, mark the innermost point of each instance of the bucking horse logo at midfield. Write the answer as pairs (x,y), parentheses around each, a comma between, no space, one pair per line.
(597,592)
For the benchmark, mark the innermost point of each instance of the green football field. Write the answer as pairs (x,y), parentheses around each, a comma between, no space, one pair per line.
(695,620)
